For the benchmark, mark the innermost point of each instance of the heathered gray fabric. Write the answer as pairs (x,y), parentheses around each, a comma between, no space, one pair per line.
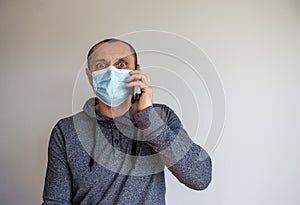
(72,179)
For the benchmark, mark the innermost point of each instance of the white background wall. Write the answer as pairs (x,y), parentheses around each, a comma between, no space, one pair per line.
(255,46)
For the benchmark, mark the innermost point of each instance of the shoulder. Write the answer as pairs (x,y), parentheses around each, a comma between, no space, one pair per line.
(66,131)
(70,124)
(165,112)
(67,121)
(161,107)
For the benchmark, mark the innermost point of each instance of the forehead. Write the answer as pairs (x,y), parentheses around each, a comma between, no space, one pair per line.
(111,50)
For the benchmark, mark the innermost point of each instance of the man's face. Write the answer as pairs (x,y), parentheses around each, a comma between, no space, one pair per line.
(117,54)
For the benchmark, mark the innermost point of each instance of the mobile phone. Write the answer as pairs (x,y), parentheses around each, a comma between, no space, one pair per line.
(136,90)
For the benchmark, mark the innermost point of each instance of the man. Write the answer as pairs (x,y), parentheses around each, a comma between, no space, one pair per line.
(115,150)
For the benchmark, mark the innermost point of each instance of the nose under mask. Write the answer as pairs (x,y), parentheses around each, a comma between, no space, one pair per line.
(109,85)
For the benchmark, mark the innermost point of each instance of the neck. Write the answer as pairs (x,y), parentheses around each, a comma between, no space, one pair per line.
(113,112)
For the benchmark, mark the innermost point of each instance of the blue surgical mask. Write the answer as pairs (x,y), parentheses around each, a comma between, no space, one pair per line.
(109,85)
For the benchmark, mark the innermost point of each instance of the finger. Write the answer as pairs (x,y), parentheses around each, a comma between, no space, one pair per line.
(136,71)
(139,72)
(138,77)
(137,84)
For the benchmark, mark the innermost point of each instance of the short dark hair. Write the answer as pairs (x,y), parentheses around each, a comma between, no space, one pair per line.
(111,40)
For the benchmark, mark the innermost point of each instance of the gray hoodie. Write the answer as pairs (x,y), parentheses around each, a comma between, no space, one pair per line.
(94,159)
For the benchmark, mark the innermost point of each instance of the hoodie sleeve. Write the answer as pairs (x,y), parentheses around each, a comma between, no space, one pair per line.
(164,132)
(57,188)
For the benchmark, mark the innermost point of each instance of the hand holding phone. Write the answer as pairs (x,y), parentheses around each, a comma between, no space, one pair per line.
(142,90)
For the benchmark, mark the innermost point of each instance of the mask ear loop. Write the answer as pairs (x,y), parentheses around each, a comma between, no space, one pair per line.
(136,90)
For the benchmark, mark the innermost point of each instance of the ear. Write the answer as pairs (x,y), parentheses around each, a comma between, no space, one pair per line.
(89,76)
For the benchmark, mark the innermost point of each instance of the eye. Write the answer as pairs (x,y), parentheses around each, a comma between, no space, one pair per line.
(101,66)
(122,65)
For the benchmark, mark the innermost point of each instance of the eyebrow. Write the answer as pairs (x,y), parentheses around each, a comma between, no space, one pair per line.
(125,58)
(100,59)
